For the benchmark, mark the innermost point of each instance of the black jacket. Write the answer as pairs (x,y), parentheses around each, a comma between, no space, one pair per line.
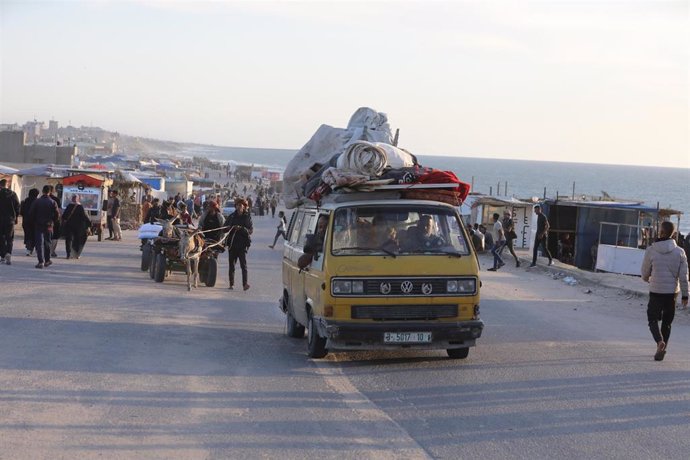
(44,212)
(75,218)
(9,205)
(153,214)
(210,221)
(24,209)
(239,237)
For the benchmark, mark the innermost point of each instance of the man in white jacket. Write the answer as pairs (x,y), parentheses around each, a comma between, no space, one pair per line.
(665,267)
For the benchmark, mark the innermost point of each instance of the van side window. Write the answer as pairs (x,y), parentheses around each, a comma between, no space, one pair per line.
(296,227)
(306,225)
(290,224)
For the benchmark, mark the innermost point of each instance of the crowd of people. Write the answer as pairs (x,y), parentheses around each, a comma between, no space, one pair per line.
(43,222)
(233,230)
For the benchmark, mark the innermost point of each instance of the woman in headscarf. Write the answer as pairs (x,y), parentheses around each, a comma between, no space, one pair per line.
(27,225)
(75,221)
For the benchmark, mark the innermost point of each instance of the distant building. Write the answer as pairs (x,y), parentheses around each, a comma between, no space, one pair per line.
(14,149)
(10,127)
(33,130)
(52,128)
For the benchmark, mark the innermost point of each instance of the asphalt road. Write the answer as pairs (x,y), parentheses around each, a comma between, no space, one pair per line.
(98,361)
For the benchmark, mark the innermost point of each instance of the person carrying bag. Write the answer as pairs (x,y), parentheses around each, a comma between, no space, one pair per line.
(511,236)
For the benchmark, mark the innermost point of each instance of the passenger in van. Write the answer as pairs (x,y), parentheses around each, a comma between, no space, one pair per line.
(424,236)
(364,232)
(391,242)
(314,243)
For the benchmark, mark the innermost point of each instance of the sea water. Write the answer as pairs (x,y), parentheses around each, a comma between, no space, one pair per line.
(669,187)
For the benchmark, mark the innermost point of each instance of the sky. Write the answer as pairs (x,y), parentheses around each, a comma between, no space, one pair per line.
(577,81)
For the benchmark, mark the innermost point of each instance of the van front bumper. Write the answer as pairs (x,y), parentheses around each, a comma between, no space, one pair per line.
(365,336)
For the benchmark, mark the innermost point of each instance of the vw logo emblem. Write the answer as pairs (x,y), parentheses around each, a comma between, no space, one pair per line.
(406,287)
(426,288)
(385,288)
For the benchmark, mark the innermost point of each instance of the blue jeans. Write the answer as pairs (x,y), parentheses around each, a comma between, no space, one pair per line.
(496,251)
(44,238)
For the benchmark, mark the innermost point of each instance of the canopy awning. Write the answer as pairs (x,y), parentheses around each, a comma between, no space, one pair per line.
(89,180)
(7,170)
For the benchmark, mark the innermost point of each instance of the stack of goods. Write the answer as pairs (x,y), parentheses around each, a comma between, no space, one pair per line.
(362,157)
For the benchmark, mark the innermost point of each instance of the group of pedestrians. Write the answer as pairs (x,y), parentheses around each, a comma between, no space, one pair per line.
(664,267)
(503,236)
(43,223)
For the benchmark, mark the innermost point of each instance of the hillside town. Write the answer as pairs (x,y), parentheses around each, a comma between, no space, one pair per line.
(37,153)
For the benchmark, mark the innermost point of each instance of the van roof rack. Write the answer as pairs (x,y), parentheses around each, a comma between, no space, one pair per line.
(444,192)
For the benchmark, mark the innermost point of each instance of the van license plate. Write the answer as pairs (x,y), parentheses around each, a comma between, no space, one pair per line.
(407,337)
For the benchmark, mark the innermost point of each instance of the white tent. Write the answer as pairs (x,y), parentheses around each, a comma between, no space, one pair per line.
(43,170)
(15,182)
(7,170)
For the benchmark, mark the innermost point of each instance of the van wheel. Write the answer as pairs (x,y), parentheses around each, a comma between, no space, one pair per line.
(316,346)
(146,257)
(293,328)
(458,353)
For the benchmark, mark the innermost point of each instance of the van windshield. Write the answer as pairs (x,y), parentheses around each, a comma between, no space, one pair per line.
(398,230)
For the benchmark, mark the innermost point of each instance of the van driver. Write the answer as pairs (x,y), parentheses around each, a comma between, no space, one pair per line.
(426,235)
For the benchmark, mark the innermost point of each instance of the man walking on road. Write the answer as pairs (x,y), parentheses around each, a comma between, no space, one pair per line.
(9,210)
(44,213)
(665,267)
(239,240)
(541,238)
(499,241)
(509,231)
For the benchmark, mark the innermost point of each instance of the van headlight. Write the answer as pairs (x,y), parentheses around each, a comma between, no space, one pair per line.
(461,286)
(348,287)
(342,287)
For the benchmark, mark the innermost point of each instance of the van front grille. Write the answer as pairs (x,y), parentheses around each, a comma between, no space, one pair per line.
(403,312)
(372,287)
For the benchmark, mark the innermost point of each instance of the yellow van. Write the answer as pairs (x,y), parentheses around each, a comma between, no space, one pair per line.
(362,273)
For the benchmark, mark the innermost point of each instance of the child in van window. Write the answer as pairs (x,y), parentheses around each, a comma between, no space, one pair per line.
(391,242)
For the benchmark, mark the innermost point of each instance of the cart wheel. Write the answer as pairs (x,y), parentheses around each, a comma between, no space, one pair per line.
(211,272)
(203,264)
(152,265)
(145,257)
(161,266)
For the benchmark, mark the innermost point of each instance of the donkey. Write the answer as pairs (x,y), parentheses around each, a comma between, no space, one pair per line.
(191,246)
(168,230)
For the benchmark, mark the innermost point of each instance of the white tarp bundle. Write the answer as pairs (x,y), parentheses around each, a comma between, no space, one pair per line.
(366,124)
(364,158)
